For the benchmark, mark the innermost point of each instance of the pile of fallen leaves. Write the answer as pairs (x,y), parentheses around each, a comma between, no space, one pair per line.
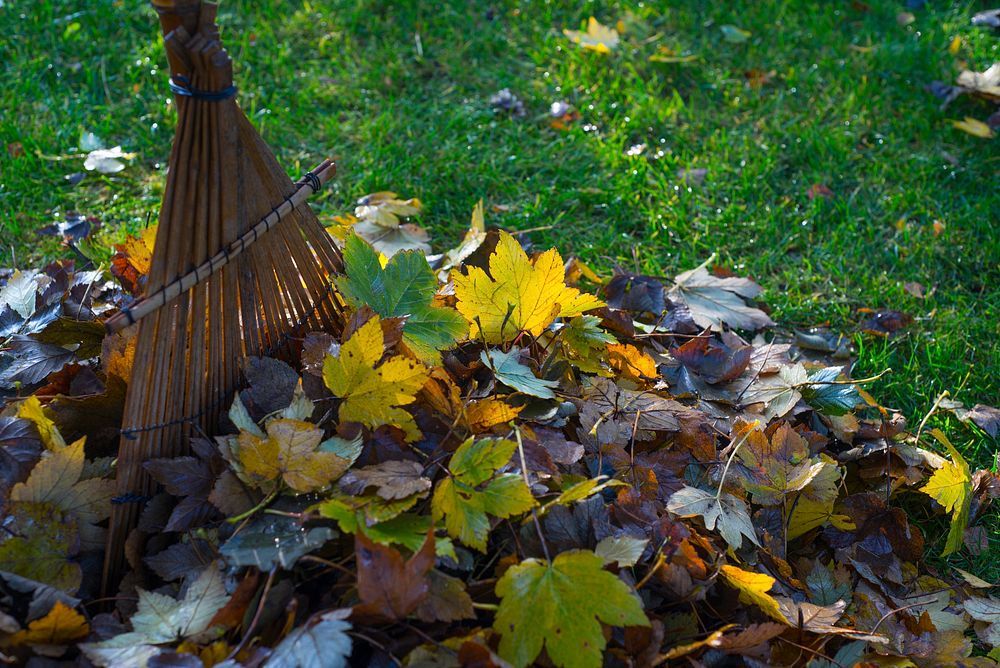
(491,466)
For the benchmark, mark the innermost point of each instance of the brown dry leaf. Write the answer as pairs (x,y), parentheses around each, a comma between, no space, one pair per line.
(394,479)
(389,586)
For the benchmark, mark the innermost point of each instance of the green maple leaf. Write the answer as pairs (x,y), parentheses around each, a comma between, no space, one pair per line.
(561,606)
(951,486)
(585,343)
(405,287)
(464,507)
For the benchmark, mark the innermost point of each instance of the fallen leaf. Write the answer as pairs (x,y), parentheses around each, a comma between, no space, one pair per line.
(951,486)
(509,370)
(373,395)
(389,586)
(554,604)
(321,643)
(290,451)
(722,512)
(715,301)
(405,287)
(518,295)
(394,479)
(598,37)
(974,127)
(62,625)
(464,507)
(753,588)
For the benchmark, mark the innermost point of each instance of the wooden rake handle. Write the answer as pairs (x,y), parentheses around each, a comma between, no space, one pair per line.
(309,184)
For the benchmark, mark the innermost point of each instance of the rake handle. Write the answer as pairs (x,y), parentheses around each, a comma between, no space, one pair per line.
(309,184)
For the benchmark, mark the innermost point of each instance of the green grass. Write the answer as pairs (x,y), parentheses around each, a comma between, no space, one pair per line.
(397,92)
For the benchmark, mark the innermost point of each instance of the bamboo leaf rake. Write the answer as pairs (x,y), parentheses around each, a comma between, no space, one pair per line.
(240,267)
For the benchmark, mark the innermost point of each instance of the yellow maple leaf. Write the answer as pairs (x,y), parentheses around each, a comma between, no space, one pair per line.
(290,452)
(373,395)
(808,513)
(599,37)
(753,588)
(631,362)
(485,414)
(60,626)
(951,486)
(55,480)
(139,250)
(31,409)
(518,295)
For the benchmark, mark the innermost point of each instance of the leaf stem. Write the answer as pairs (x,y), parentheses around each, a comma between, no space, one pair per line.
(534,515)
(266,501)
(732,456)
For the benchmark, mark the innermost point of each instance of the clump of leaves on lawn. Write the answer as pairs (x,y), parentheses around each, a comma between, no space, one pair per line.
(490,466)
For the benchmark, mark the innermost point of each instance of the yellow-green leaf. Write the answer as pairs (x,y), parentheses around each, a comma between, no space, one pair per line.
(561,606)
(951,486)
(373,395)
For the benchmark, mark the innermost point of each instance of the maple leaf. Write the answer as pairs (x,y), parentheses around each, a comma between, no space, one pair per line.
(613,413)
(720,511)
(60,626)
(599,38)
(584,344)
(518,295)
(753,588)
(715,301)
(373,395)
(389,586)
(404,288)
(463,506)
(777,467)
(560,605)
(321,643)
(632,363)
(778,393)
(162,619)
(290,451)
(40,544)
(55,480)
(951,486)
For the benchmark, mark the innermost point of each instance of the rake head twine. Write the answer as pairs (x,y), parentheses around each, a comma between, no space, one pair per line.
(240,268)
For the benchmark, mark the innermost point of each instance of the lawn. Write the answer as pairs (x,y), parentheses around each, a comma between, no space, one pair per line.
(821,94)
